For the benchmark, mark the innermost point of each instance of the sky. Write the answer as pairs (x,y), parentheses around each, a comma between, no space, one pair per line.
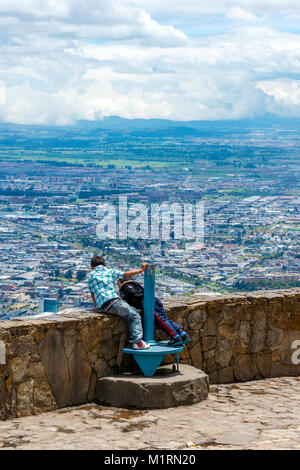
(68,60)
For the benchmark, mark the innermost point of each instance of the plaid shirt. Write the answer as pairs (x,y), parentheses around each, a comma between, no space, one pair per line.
(101,283)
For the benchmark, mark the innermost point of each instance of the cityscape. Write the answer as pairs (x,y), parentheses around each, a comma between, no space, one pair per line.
(52,181)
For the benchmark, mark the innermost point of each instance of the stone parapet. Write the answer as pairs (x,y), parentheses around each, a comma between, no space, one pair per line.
(55,361)
(243,336)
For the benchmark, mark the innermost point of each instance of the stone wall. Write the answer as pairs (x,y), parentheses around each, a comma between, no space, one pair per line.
(240,337)
(55,361)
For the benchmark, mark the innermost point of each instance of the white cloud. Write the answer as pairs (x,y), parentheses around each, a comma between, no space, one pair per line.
(2,93)
(34,8)
(284,96)
(85,59)
(89,19)
(239,14)
(193,8)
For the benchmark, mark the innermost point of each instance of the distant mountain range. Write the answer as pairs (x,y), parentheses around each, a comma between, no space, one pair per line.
(121,124)
(139,128)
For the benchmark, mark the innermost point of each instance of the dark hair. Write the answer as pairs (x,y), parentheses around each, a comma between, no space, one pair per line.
(97,260)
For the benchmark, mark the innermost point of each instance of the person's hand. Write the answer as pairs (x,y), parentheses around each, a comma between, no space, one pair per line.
(144,267)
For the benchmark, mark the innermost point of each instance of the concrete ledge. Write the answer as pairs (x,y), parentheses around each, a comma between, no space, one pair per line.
(166,389)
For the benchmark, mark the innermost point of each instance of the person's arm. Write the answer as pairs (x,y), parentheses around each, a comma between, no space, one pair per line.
(91,289)
(94,301)
(134,272)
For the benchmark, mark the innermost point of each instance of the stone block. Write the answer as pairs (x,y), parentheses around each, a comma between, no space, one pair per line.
(295,320)
(278,313)
(196,319)
(263,363)
(274,337)
(43,399)
(56,367)
(208,343)
(231,312)
(282,370)
(223,352)
(165,389)
(80,371)
(242,339)
(70,338)
(23,345)
(209,363)
(243,369)
(209,328)
(109,348)
(102,368)
(227,331)
(25,398)
(213,377)
(258,335)
(36,370)
(4,405)
(226,375)
(246,313)
(196,355)
(215,307)
(19,368)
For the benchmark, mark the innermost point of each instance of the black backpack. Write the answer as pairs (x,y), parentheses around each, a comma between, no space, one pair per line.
(133,293)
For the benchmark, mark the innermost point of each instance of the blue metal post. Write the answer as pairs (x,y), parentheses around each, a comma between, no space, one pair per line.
(149,289)
(150,359)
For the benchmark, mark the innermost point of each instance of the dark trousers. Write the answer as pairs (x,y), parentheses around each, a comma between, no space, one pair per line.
(163,322)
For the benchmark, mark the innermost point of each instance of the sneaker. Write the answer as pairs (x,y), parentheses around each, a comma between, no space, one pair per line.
(141,346)
(175,341)
(185,338)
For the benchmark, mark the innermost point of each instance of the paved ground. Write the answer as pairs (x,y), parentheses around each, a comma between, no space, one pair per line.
(255,415)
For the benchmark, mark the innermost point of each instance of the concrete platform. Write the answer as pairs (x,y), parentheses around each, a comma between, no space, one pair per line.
(166,389)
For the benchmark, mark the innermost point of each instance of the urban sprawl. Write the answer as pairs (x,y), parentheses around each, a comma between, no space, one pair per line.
(50,194)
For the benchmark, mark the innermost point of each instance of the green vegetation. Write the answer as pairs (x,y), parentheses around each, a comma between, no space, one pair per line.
(266,284)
